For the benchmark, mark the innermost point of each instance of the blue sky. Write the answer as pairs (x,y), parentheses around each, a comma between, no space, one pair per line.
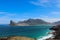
(48,10)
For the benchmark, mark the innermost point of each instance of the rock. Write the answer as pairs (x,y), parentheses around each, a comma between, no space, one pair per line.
(12,23)
(56,33)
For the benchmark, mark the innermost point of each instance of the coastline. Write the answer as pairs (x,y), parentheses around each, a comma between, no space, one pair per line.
(30,30)
(45,37)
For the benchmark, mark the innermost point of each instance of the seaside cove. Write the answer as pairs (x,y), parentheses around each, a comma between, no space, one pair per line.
(34,32)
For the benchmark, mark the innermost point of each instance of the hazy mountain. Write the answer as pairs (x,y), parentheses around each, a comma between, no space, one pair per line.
(30,22)
(58,22)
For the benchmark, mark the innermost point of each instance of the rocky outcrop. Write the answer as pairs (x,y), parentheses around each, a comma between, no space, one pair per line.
(56,33)
(12,23)
(19,38)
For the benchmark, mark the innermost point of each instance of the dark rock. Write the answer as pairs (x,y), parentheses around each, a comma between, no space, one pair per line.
(12,23)
(57,31)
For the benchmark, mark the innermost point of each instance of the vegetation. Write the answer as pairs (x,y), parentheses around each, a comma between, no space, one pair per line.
(29,22)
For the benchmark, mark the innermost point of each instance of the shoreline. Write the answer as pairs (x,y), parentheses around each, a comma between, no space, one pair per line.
(45,37)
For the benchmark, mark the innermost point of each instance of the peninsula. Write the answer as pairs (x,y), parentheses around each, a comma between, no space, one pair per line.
(29,22)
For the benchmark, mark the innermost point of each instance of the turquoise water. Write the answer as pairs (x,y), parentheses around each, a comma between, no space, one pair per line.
(27,31)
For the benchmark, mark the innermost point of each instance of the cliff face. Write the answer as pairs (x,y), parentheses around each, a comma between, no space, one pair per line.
(12,23)
(56,32)
(29,22)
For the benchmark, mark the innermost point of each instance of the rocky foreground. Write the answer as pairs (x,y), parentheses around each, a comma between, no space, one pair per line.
(56,33)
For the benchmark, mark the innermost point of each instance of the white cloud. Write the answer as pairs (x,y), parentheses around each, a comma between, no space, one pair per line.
(44,3)
(7,14)
(47,3)
(58,3)
(48,19)
(5,17)
(3,12)
(55,12)
(51,19)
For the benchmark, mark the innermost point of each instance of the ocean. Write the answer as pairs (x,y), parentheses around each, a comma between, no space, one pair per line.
(39,32)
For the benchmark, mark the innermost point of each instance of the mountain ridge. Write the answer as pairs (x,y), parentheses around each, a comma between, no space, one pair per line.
(28,22)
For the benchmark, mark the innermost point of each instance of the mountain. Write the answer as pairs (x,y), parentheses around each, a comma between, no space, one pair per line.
(12,23)
(30,22)
(58,22)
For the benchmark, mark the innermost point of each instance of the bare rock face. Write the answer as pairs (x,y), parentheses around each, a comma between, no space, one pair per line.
(56,33)
(12,23)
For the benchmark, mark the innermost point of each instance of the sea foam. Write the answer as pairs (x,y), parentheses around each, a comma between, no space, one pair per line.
(46,37)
